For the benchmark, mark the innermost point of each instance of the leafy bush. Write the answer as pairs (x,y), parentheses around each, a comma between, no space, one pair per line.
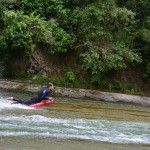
(61,39)
(100,61)
(22,33)
(40,79)
(20,30)
(142,41)
(120,86)
(70,76)
(107,39)
(46,8)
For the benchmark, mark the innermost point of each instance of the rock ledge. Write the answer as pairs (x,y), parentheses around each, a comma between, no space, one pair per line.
(76,93)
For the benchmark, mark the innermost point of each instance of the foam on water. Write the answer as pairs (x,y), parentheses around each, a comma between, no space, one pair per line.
(99,130)
(5,104)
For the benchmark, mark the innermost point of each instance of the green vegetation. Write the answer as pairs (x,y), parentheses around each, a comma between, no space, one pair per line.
(66,80)
(70,76)
(106,36)
(21,33)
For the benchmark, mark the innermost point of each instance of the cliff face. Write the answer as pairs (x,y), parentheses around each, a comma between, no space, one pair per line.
(45,64)
(39,63)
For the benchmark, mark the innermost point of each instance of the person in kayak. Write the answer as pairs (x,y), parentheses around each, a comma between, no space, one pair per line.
(41,96)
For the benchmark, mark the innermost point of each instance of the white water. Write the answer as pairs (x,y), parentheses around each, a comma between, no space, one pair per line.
(5,104)
(99,130)
(13,124)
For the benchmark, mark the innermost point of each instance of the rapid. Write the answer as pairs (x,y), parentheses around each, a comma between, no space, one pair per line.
(75,119)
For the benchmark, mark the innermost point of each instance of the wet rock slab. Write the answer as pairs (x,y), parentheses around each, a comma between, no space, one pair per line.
(76,93)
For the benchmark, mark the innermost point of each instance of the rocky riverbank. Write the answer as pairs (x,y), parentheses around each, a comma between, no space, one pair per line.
(76,93)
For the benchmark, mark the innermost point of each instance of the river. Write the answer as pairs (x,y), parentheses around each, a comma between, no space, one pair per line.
(73,124)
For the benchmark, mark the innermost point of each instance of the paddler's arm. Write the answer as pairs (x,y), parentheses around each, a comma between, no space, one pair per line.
(49,99)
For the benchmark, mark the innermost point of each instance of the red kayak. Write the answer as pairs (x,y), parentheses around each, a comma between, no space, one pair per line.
(43,103)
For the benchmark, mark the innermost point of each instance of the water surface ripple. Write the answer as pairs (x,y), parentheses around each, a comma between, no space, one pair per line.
(70,119)
(99,130)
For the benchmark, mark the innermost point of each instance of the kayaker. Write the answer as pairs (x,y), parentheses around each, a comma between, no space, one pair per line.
(43,95)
